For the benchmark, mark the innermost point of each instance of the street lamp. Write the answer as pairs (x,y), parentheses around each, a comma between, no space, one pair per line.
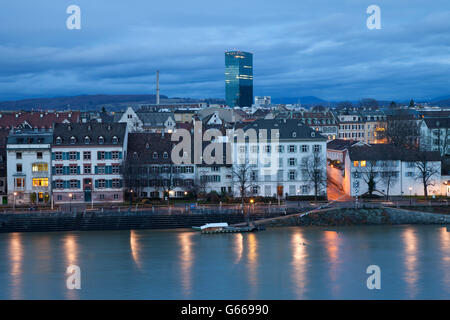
(131,197)
(410,199)
(70,202)
(14,206)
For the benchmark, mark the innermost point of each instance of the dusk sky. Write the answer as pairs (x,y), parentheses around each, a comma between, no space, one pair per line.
(300,47)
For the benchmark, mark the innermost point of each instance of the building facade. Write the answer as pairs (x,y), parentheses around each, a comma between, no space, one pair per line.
(239,78)
(86,162)
(28,167)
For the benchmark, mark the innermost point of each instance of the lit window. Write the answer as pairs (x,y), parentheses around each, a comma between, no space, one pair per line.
(40,167)
(40,182)
(363,163)
(356,163)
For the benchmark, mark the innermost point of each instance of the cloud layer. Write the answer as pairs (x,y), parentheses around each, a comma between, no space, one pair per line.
(301,48)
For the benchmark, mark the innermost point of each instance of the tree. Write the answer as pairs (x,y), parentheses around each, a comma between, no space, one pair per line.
(389,176)
(200,183)
(314,171)
(242,173)
(393,105)
(131,175)
(426,170)
(400,132)
(411,104)
(369,174)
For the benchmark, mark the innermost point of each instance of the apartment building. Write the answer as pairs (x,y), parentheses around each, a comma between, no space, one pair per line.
(435,135)
(352,126)
(86,162)
(279,159)
(28,155)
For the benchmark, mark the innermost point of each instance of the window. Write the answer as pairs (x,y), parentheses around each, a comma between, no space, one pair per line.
(58,156)
(59,184)
(18,167)
(18,155)
(189,169)
(409,174)
(73,169)
(280,149)
(115,140)
(155,155)
(363,163)
(20,183)
(115,155)
(317,148)
(254,149)
(72,140)
(116,183)
(58,140)
(101,155)
(115,169)
(86,155)
(305,148)
(74,184)
(292,161)
(40,182)
(241,149)
(72,155)
(87,169)
(291,148)
(267,149)
(101,140)
(59,197)
(165,155)
(100,169)
(87,140)
(59,170)
(101,183)
(292,175)
(305,189)
(40,167)
(39,155)
(116,196)
(356,163)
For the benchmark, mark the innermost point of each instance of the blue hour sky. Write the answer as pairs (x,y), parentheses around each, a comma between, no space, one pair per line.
(301,48)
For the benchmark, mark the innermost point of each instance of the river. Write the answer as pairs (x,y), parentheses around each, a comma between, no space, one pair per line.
(279,263)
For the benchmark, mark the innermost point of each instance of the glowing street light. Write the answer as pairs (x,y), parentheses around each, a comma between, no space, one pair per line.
(14,206)
(70,202)
(410,199)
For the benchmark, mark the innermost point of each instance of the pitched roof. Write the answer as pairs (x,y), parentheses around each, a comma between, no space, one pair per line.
(375,152)
(435,123)
(340,144)
(289,129)
(154,119)
(36,119)
(92,130)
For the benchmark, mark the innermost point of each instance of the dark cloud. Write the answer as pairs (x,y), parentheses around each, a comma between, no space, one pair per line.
(300,48)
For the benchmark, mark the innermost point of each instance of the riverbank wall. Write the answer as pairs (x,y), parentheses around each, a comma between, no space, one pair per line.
(360,216)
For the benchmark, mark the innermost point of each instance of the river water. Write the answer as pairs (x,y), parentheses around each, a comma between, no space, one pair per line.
(282,263)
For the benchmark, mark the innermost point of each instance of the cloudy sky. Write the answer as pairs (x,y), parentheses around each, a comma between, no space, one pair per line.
(301,47)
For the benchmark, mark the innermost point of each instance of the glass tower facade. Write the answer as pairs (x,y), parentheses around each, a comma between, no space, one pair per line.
(238,78)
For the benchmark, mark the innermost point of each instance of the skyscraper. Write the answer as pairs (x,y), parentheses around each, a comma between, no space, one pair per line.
(238,78)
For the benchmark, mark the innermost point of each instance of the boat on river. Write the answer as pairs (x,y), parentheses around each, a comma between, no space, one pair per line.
(223,227)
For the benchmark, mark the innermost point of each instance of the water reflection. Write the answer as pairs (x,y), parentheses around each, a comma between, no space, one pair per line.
(299,264)
(16,260)
(70,248)
(252,263)
(332,247)
(135,249)
(238,247)
(410,260)
(186,261)
(444,246)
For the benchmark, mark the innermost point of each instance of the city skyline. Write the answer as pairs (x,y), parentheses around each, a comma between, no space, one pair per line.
(301,49)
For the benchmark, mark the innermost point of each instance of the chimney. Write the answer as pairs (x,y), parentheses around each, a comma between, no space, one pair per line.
(157,87)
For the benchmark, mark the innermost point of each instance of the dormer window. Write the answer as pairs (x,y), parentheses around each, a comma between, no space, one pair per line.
(101,140)
(294,134)
(69,127)
(109,128)
(58,140)
(87,140)
(72,140)
(89,127)
(155,155)
(147,146)
(115,140)
(165,155)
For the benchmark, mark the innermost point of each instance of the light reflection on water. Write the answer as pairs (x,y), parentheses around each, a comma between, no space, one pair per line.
(289,263)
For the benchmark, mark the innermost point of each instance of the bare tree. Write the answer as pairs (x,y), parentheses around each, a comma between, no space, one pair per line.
(314,171)
(426,171)
(242,173)
(402,133)
(369,174)
(389,176)
(200,183)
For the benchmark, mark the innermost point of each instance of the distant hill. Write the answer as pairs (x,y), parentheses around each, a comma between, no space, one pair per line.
(307,100)
(83,102)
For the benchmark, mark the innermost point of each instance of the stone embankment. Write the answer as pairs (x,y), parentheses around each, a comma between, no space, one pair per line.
(348,217)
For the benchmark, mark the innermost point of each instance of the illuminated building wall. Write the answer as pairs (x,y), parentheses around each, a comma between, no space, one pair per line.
(239,78)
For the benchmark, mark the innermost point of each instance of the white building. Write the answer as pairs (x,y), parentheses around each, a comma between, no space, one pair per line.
(86,162)
(389,168)
(279,164)
(435,135)
(28,166)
